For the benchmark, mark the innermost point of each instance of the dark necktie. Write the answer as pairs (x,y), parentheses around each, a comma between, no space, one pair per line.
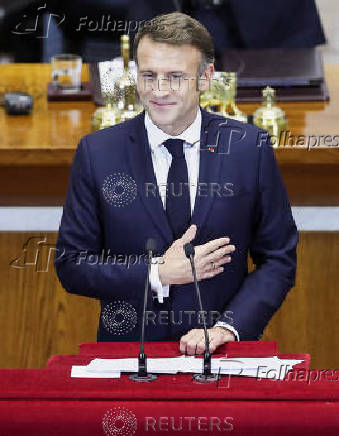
(178,209)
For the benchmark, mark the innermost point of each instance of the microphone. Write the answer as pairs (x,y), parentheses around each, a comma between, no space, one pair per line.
(151,245)
(206,376)
(142,375)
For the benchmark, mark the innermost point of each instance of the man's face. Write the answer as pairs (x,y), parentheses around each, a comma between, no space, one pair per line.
(167,83)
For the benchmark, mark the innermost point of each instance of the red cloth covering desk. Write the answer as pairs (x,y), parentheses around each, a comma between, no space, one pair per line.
(47,401)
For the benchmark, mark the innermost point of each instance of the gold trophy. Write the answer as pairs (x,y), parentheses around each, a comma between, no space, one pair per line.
(120,95)
(103,117)
(221,95)
(269,116)
(212,98)
(231,110)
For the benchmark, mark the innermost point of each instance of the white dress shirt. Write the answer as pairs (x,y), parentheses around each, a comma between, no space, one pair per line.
(162,160)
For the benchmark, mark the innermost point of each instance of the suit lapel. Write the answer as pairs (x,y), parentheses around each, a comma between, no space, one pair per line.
(209,168)
(142,167)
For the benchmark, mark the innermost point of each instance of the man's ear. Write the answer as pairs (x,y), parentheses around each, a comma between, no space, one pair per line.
(205,78)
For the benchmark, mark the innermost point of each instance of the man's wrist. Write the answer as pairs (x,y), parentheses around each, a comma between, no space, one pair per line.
(226,332)
(162,275)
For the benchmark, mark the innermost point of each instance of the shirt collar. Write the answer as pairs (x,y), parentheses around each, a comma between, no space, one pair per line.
(156,136)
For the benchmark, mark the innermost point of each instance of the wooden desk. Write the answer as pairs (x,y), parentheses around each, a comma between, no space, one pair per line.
(40,147)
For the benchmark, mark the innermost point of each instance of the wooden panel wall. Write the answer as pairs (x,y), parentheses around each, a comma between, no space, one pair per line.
(38,318)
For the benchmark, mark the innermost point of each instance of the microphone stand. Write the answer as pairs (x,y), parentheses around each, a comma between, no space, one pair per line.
(206,376)
(142,375)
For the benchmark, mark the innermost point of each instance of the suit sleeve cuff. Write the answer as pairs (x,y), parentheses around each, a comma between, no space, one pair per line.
(157,288)
(229,327)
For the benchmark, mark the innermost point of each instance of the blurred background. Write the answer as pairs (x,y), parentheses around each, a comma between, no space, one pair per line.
(33,31)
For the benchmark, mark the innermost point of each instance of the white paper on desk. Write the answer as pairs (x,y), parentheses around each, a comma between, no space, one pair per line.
(113,365)
(167,366)
(155,365)
(268,367)
(81,372)
(225,365)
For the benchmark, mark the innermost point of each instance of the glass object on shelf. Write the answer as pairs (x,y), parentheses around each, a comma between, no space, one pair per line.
(125,96)
(269,116)
(66,73)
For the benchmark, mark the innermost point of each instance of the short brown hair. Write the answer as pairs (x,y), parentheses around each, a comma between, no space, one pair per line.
(177,29)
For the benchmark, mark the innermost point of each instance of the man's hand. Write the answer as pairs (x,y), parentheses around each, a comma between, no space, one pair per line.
(194,341)
(209,258)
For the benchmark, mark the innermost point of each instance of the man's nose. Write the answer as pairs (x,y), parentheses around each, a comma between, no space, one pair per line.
(161,87)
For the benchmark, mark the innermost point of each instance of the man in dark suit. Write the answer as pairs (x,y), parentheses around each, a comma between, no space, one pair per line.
(177,173)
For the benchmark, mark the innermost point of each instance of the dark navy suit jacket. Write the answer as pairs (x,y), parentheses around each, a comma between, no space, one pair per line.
(109,206)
